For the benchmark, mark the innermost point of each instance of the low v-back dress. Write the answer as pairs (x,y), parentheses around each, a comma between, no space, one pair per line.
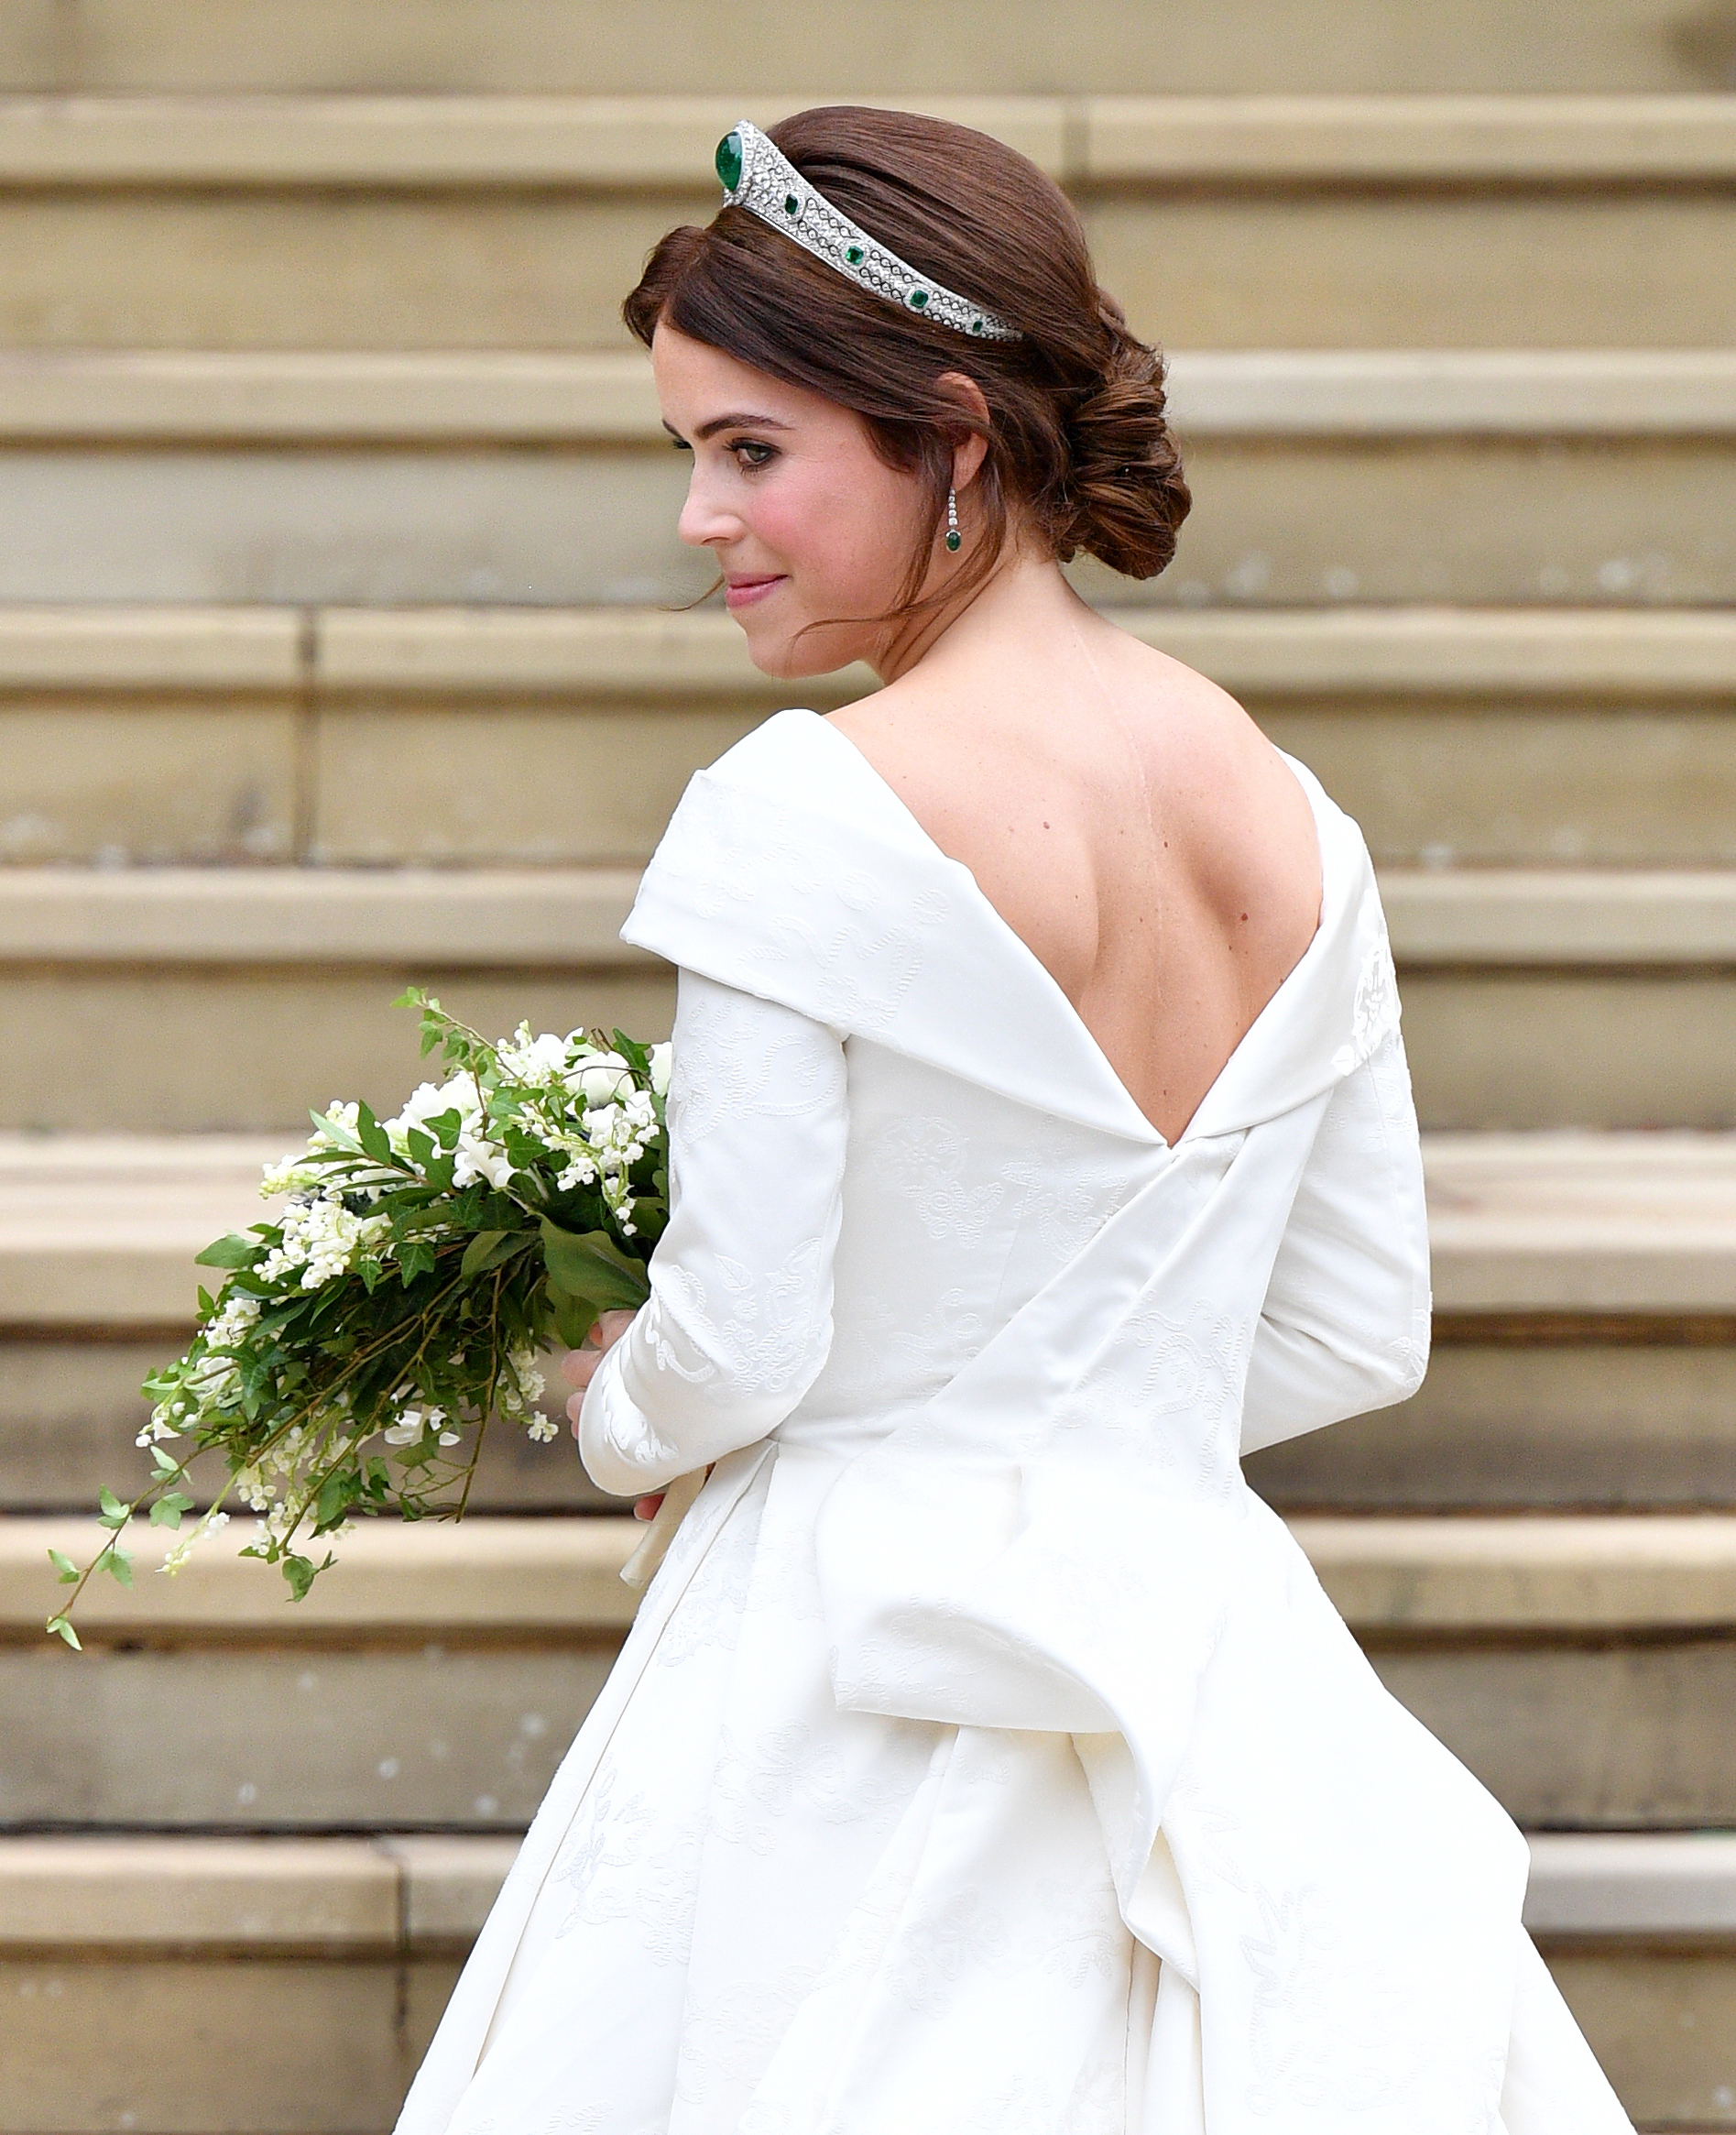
(985,1755)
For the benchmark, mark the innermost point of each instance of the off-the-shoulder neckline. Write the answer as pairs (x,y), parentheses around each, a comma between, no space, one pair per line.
(888,797)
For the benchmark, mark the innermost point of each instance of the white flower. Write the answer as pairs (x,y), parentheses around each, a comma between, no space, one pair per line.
(542,1428)
(212,1523)
(293,1174)
(601,1079)
(427,1102)
(540,1059)
(661,1057)
(323,1238)
(480,1157)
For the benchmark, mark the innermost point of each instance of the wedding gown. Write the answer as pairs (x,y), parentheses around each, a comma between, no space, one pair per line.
(986,1755)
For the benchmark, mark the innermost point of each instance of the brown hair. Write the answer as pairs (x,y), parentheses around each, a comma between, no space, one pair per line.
(1076,434)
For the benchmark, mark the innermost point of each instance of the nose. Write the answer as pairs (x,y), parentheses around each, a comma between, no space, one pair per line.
(705,521)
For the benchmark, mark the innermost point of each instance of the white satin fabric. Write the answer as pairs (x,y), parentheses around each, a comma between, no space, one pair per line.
(985,1755)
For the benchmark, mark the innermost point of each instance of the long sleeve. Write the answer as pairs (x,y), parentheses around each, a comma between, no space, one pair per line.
(739,1320)
(1345,1323)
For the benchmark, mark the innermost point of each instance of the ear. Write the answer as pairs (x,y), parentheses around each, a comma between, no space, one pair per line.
(972,449)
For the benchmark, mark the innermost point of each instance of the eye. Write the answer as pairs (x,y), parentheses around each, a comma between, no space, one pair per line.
(751,453)
(679,445)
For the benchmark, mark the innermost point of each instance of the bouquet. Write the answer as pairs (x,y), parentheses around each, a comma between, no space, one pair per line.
(363,1338)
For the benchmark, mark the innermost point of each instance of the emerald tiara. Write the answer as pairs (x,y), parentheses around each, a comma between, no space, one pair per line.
(758,177)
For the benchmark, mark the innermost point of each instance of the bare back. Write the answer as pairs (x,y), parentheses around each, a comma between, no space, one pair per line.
(1130,824)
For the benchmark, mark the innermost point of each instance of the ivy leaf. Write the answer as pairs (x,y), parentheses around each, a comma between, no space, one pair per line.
(168,1509)
(117,1562)
(415,1259)
(114,1513)
(65,1570)
(62,1629)
(301,1571)
(236,1250)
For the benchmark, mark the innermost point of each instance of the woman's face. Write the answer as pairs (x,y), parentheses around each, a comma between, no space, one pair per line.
(806,521)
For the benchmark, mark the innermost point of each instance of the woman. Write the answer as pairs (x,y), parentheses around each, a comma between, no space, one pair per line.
(985,1755)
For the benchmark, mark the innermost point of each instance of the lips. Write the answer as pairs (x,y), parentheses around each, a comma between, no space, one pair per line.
(744,591)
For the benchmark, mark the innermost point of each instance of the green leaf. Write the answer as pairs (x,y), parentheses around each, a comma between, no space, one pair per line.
(62,1629)
(301,1571)
(337,1493)
(415,1259)
(169,1507)
(488,1248)
(373,1138)
(233,1250)
(593,1269)
(115,1513)
(117,1562)
(65,1570)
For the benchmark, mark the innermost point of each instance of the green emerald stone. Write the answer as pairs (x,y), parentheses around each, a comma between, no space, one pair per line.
(976,325)
(918,300)
(791,205)
(855,254)
(954,543)
(729,161)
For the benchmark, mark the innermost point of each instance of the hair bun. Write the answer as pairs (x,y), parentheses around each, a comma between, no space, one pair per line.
(1125,487)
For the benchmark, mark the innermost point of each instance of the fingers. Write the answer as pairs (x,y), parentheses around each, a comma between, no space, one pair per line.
(580,1364)
(646,1508)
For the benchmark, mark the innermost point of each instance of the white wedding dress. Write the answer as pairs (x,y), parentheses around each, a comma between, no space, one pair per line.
(986,1756)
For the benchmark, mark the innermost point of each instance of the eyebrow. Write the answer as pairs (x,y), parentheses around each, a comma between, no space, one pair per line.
(737,421)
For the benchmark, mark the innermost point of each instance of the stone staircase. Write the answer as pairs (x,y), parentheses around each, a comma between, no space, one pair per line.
(336,652)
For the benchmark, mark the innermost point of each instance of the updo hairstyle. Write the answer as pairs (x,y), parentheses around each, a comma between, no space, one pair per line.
(1076,434)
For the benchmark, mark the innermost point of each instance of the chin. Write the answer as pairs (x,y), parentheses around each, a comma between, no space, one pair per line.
(787,658)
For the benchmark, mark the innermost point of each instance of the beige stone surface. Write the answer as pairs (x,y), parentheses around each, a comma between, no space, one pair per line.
(1562,1577)
(400,783)
(1664,2025)
(153,1050)
(972,45)
(163,650)
(293,1737)
(1562,917)
(1581,522)
(275,524)
(100,1892)
(139,269)
(1606,1733)
(1633,1211)
(1507,782)
(1633,1884)
(1395,268)
(1552,1048)
(426,1579)
(167,781)
(1597,1425)
(84,2047)
(449,1884)
(468,919)
(1433,138)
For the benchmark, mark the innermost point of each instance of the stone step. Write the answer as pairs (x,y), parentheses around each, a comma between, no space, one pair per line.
(1561,476)
(1221,221)
(1585,1667)
(350,735)
(1585,1347)
(1533,999)
(907,50)
(356,1941)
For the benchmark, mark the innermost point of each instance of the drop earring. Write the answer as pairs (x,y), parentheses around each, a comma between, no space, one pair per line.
(954,540)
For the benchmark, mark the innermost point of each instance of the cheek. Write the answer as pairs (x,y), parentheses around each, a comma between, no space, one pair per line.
(850,529)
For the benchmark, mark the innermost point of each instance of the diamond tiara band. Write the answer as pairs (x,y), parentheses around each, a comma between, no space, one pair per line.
(757,176)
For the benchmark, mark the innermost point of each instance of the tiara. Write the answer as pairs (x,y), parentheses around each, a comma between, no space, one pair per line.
(757,176)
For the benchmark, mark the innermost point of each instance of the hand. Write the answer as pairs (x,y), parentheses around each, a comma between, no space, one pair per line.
(580,1366)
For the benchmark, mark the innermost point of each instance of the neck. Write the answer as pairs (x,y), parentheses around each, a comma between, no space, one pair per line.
(1023,595)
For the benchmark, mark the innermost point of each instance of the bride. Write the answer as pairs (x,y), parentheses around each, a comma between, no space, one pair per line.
(986,1755)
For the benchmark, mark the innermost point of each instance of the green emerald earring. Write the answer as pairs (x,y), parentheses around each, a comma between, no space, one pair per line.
(954,540)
